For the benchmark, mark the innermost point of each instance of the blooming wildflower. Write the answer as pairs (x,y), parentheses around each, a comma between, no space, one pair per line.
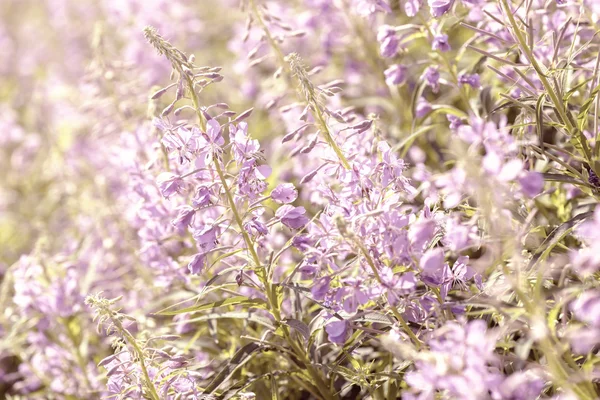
(423,108)
(206,237)
(320,288)
(368,7)
(169,184)
(292,217)
(243,147)
(460,363)
(351,296)
(412,7)
(440,42)
(187,142)
(397,285)
(302,242)
(520,385)
(531,183)
(251,178)
(256,227)
(455,122)
(197,263)
(184,217)
(388,40)
(585,261)
(431,75)
(439,7)
(203,197)
(432,261)
(472,80)
(284,193)
(337,331)
(460,273)
(458,236)
(421,232)
(395,75)
(587,308)
(503,171)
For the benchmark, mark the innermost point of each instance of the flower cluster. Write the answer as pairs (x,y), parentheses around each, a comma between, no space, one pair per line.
(319,199)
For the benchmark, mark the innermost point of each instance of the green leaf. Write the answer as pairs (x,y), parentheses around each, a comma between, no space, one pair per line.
(245,315)
(299,326)
(232,301)
(242,356)
(562,178)
(556,236)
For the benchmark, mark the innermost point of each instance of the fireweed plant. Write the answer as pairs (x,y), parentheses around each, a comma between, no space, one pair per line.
(307,199)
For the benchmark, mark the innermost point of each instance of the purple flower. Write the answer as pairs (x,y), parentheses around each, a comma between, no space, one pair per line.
(423,108)
(256,227)
(503,171)
(169,184)
(531,183)
(585,261)
(251,178)
(440,42)
(187,142)
(284,193)
(197,264)
(213,132)
(391,168)
(395,75)
(432,260)
(412,7)
(397,285)
(455,122)
(587,308)
(302,242)
(292,217)
(583,339)
(421,232)
(432,78)
(439,7)
(184,217)
(458,236)
(472,80)
(459,363)
(388,41)
(337,331)
(320,288)
(351,296)
(368,7)
(206,237)
(243,147)
(521,385)
(434,270)
(460,273)
(203,197)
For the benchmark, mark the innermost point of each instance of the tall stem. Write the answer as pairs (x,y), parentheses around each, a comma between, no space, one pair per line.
(316,110)
(272,301)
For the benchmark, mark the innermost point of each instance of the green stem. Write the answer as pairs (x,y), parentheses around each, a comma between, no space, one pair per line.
(317,113)
(140,355)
